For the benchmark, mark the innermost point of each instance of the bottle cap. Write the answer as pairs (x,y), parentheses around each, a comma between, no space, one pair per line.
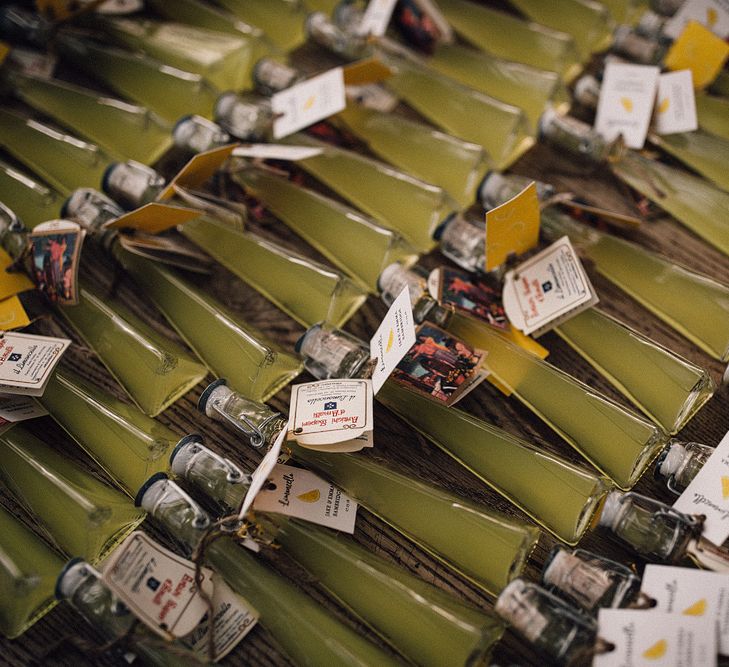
(491,187)
(106,179)
(224,105)
(71,577)
(391,272)
(587,90)
(311,331)
(149,491)
(510,600)
(183,452)
(671,459)
(557,565)
(610,509)
(272,76)
(216,388)
(546,120)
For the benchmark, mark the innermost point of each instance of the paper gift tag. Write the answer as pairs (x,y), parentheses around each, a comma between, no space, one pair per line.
(199,169)
(55,255)
(547,289)
(653,638)
(308,102)
(157,585)
(302,494)
(713,14)
(277,152)
(393,338)
(627,96)
(691,592)
(154,218)
(376,17)
(27,362)
(708,494)
(676,104)
(20,408)
(701,51)
(12,282)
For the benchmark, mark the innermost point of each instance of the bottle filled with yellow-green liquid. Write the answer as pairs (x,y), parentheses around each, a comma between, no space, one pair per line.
(32,200)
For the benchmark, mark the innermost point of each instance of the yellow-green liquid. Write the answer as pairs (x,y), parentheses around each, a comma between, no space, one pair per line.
(695,305)
(28,573)
(526,87)
(130,446)
(84,516)
(713,114)
(487,548)
(455,165)
(305,290)
(172,93)
(351,241)
(282,20)
(412,207)
(666,387)
(125,131)
(720,86)
(625,11)
(565,497)
(501,129)
(153,370)
(422,622)
(31,200)
(693,201)
(510,38)
(65,162)
(230,348)
(616,441)
(705,153)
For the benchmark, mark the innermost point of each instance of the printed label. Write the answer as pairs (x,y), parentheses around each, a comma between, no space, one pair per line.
(12,282)
(12,314)
(676,105)
(331,411)
(277,152)
(55,255)
(19,408)
(308,102)
(234,618)
(627,96)
(708,494)
(713,14)
(393,338)
(512,227)
(701,51)
(547,289)
(300,493)
(199,169)
(157,585)
(698,593)
(376,17)
(644,638)
(27,362)
(154,218)
(466,293)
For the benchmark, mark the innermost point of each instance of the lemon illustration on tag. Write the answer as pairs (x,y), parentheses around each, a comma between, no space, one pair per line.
(724,487)
(627,104)
(310,496)
(712,16)
(663,106)
(658,650)
(390,341)
(696,609)
(310,102)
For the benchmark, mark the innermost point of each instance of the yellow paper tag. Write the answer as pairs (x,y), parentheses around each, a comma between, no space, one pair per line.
(11,283)
(12,314)
(198,170)
(512,227)
(154,218)
(4,50)
(363,72)
(701,51)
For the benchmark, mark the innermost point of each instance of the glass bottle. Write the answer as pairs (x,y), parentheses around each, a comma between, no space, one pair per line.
(168,91)
(462,239)
(131,184)
(511,38)
(64,161)
(331,353)
(590,581)
(129,445)
(549,624)
(653,529)
(680,463)
(28,569)
(393,198)
(83,515)
(395,278)
(351,241)
(629,43)
(304,289)
(308,634)
(195,134)
(32,200)
(712,113)
(125,131)
(246,117)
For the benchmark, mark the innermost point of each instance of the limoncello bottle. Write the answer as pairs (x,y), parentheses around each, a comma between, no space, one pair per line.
(28,569)
(125,131)
(82,514)
(32,200)
(307,633)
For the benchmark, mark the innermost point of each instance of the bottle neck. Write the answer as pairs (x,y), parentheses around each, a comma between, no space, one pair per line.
(643,50)
(248,118)
(332,353)
(92,210)
(497,188)
(395,278)
(338,38)
(271,76)
(573,136)
(132,184)
(195,134)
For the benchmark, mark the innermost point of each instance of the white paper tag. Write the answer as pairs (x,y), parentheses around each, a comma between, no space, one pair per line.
(34,63)
(308,102)
(627,96)
(713,14)
(277,152)
(27,362)
(547,289)
(376,17)
(20,408)
(648,638)
(676,103)
(684,590)
(300,493)
(234,619)
(373,96)
(393,338)
(157,585)
(708,494)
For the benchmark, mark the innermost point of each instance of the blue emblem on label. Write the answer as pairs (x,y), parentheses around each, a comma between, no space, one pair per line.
(153,583)
(546,287)
(331,405)
(15,357)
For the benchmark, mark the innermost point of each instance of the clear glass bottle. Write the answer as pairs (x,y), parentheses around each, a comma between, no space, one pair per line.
(28,569)
(125,131)
(462,239)
(350,240)
(32,200)
(653,529)
(82,514)
(132,184)
(332,353)
(195,134)
(590,581)
(395,278)
(549,624)
(680,463)
(574,136)
(308,634)
(245,117)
